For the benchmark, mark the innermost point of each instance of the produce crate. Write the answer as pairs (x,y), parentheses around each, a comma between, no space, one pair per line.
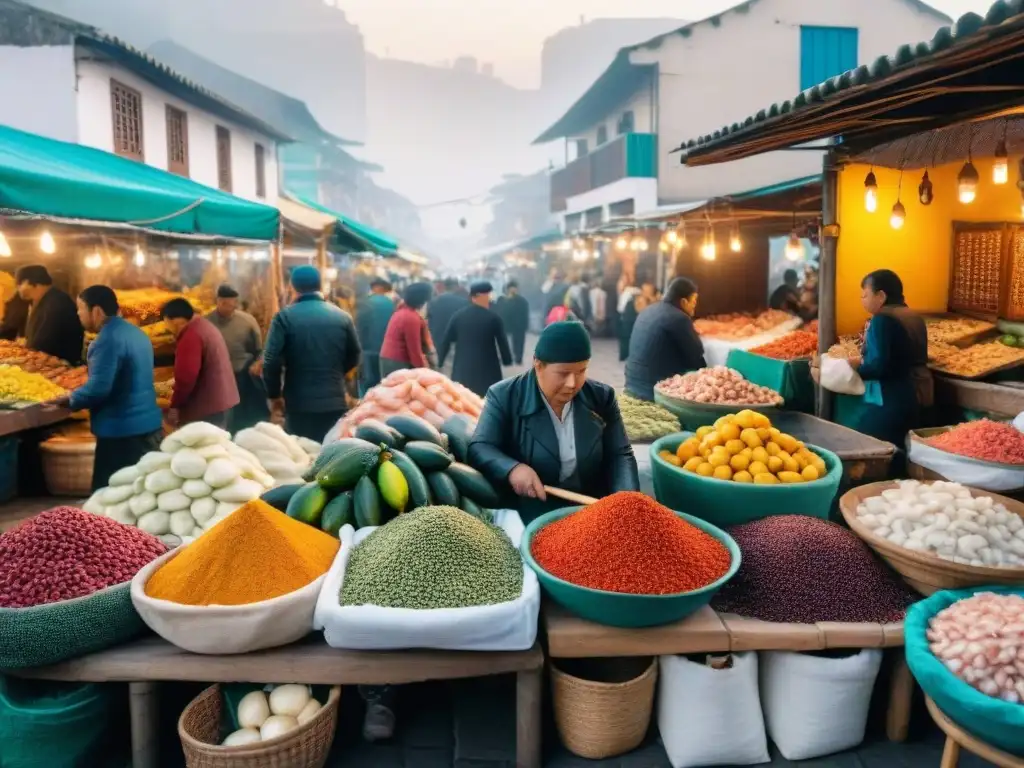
(790,378)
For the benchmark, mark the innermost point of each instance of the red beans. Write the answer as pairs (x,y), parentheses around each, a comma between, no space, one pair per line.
(65,553)
(805,570)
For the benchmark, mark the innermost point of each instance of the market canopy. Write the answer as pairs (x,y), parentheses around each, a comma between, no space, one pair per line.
(967,71)
(55,179)
(367,238)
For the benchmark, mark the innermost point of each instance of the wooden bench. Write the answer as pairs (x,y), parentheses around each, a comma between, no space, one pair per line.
(141,664)
(570,637)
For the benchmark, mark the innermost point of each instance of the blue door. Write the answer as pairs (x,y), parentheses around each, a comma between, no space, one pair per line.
(826,52)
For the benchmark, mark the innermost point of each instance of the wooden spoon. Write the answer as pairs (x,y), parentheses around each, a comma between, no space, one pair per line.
(576,498)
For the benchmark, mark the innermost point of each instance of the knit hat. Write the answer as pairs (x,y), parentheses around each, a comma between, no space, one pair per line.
(479,287)
(306,279)
(563,342)
(417,294)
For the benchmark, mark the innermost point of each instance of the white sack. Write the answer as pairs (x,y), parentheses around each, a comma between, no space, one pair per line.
(815,706)
(838,376)
(509,626)
(961,469)
(224,629)
(711,716)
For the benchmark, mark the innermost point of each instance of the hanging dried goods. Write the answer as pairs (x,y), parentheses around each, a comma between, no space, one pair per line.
(981,640)
(983,439)
(433,557)
(946,520)
(646,421)
(741,325)
(628,542)
(65,553)
(717,386)
(792,346)
(806,570)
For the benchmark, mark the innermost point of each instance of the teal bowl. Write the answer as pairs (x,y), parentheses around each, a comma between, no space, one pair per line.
(621,609)
(725,503)
(693,415)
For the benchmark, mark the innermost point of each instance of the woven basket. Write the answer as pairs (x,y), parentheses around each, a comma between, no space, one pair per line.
(67,466)
(597,719)
(200,730)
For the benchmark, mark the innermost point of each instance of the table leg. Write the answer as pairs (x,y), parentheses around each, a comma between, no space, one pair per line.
(950,754)
(144,709)
(901,695)
(528,718)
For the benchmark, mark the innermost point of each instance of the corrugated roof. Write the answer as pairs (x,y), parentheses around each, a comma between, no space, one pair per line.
(872,93)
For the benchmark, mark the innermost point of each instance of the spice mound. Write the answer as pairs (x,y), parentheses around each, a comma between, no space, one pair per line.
(792,346)
(978,639)
(804,570)
(254,554)
(985,440)
(629,543)
(65,553)
(433,557)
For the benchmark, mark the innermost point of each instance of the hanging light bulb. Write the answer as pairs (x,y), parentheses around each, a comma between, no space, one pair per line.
(683,241)
(871,192)
(925,193)
(672,237)
(663,246)
(967,183)
(641,244)
(140,257)
(93,261)
(898,216)
(622,243)
(735,243)
(46,243)
(794,248)
(5,248)
(708,250)
(1001,164)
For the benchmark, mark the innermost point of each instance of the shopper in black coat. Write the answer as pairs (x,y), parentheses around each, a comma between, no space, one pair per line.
(474,331)
(664,341)
(514,310)
(442,309)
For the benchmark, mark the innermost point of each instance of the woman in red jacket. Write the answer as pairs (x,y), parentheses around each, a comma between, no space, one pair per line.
(407,341)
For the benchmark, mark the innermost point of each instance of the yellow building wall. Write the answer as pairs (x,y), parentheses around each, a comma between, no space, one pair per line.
(921,252)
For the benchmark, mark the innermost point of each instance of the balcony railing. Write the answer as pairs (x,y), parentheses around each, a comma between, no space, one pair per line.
(631,155)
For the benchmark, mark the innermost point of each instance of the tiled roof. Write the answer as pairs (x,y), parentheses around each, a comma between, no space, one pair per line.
(1003,16)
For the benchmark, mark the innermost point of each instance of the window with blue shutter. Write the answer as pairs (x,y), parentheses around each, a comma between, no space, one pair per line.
(826,52)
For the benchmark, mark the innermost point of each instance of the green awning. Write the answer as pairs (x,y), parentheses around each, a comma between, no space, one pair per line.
(375,239)
(44,177)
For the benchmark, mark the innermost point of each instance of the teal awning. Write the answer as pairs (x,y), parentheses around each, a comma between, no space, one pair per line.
(375,239)
(45,177)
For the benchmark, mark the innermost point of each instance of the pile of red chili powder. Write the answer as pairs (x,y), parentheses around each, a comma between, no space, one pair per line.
(65,553)
(627,542)
(804,570)
(985,440)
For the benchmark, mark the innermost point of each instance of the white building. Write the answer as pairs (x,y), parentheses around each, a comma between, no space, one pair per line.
(68,81)
(701,77)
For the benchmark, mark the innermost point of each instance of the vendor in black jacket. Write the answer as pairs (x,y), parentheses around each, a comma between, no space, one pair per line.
(53,326)
(550,426)
(664,341)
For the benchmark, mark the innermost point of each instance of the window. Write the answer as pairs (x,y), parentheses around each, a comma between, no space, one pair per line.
(223,158)
(581,148)
(826,52)
(573,222)
(622,208)
(177,141)
(261,172)
(594,217)
(627,123)
(602,135)
(126,110)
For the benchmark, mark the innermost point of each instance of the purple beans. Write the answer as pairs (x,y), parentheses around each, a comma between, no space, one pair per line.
(805,570)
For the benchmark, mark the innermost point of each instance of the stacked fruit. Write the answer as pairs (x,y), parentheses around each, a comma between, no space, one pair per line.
(17,386)
(387,469)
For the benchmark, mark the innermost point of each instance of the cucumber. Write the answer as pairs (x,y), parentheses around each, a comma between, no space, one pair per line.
(419,490)
(415,428)
(458,429)
(279,497)
(376,432)
(443,488)
(393,487)
(471,483)
(348,466)
(470,507)
(337,513)
(428,456)
(366,500)
(331,452)
(307,504)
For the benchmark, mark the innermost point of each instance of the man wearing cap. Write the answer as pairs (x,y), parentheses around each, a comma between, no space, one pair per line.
(244,340)
(551,426)
(312,344)
(475,330)
(372,317)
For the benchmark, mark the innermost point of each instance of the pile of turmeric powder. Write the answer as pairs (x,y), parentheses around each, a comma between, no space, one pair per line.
(256,553)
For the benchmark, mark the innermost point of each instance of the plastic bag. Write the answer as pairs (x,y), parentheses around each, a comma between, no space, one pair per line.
(710,716)
(224,629)
(961,469)
(816,705)
(509,626)
(838,376)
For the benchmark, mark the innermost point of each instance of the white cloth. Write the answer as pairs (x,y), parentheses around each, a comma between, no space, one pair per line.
(566,434)
(598,303)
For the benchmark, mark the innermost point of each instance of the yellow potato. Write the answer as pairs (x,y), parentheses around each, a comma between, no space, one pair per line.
(809,473)
(688,449)
(723,421)
(719,459)
(775,464)
(789,464)
(800,459)
(748,452)
(704,432)
(757,468)
(773,448)
(764,434)
(759,454)
(760,420)
(705,470)
(722,473)
(744,419)
(787,443)
(692,464)
(739,462)
(751,438)
(729,432)
(742,477)
(774,432)
(712,439)
(819,464)
(765,478)
(790,477)
(735,447)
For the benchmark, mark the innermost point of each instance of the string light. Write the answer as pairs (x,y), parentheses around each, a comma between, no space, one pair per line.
(663,246)
(46,243)
(622,243)
(899,213)
(735,243)
(93,261)
(5,247)
(871,192)
(672,237)
(925,193)
(1001,164)
(140,257)
(709,250)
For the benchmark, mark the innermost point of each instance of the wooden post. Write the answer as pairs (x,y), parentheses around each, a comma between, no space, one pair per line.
(827,272)
(529,723)
(901,698)
(143,713)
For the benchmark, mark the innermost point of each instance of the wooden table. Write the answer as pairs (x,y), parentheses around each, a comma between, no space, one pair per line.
(33,417)
(705,631)
(141,664)
(957,738)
